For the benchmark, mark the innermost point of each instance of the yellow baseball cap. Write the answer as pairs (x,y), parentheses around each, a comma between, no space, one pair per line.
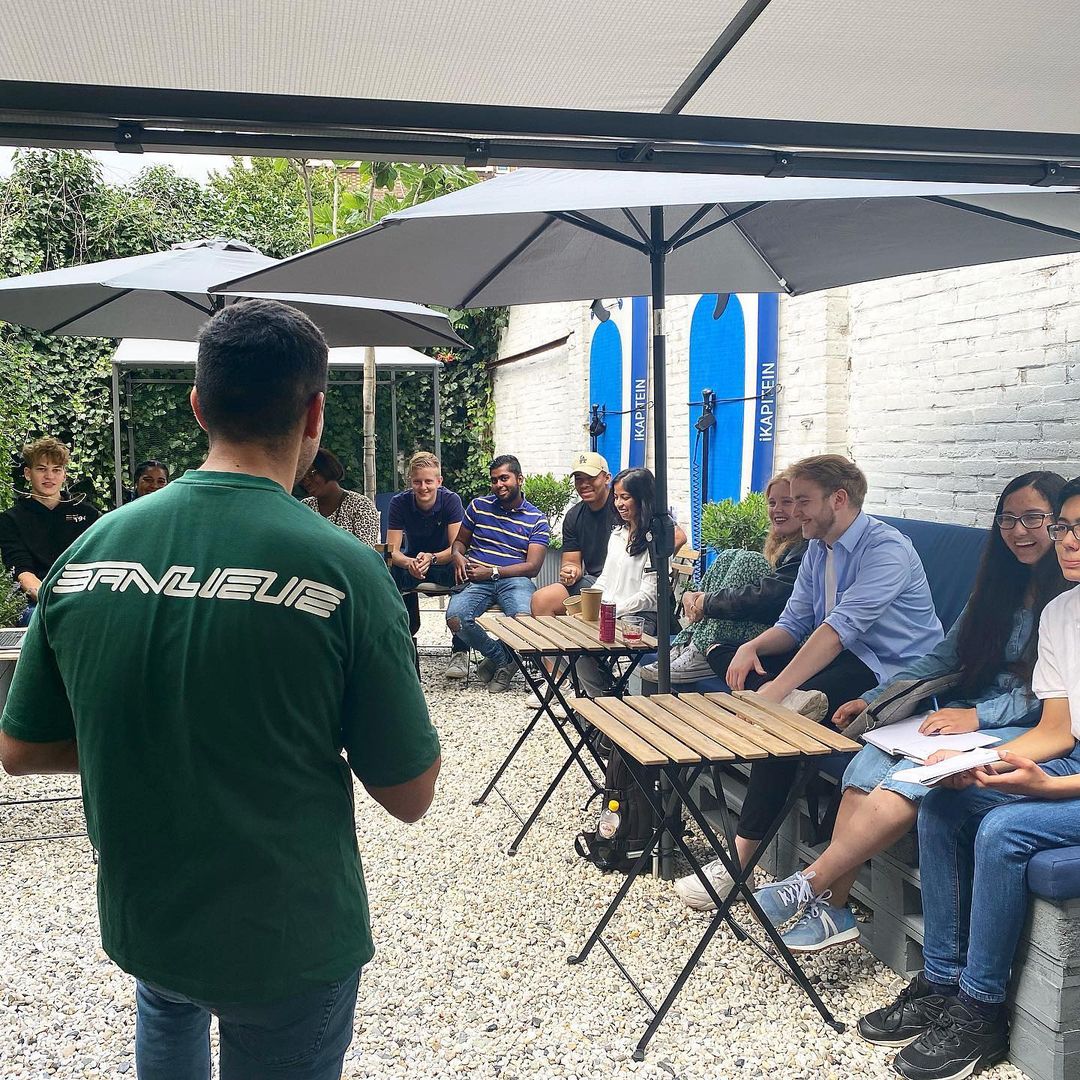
(589,464)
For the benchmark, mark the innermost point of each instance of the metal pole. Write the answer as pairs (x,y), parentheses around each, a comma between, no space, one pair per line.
(438,412)
(393,432)
(130,425)
(663,529)
(117,469)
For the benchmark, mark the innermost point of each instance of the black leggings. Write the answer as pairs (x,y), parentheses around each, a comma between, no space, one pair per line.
(845,679)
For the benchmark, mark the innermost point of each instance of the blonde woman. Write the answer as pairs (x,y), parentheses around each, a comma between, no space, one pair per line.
(742,593)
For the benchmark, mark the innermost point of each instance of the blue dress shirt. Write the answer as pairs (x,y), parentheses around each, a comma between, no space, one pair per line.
(884,612)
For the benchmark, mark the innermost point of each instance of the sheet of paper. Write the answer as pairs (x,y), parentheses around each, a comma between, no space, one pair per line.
(903,738)
(931,774)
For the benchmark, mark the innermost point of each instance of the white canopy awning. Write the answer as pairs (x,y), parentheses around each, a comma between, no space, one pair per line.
(154,354)
(692,86)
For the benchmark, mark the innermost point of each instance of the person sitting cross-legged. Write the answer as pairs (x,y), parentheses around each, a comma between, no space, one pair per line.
(742,593)
(422,524)
(860,611)
(978,830)
(498,551)
(992,646)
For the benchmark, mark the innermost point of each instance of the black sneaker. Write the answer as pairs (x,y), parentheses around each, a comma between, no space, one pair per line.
(912,1013)
(957,1045)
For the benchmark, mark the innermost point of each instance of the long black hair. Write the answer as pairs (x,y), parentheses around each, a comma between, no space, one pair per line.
(1001,586)
(640,485)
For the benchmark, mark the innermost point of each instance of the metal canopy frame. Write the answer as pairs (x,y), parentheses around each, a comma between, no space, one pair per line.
(132,119)
(182,378)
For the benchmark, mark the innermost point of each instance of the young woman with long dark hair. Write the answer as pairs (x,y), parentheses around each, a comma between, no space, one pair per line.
(993,646)
(978,830)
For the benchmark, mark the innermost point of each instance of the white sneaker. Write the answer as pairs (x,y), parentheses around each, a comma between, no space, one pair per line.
(692,893)
(458,668)
(690,665)
(532,703)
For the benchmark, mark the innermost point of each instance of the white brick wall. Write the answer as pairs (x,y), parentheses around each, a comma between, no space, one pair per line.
(941,386)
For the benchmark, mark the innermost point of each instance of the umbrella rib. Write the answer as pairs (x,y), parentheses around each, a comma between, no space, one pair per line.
(454,344)
(690,222)
(88,311)
(598,228)
(730,219)
(638,227)
(781,281)
(502,264)
(186,300)
(998,215)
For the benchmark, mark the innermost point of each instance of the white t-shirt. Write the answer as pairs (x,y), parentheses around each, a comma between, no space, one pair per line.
(1057,671)
(624,580)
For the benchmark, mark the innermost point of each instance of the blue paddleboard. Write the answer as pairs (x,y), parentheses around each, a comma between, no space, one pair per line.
(606,387)
(718,362)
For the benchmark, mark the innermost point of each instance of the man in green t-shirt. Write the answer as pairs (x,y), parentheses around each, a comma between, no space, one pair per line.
(202,658)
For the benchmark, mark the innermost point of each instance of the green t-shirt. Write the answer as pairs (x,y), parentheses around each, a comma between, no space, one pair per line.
(212,648)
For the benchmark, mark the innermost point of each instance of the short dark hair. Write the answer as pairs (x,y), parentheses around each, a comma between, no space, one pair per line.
(509,461)
(328,465)
(1070,490)
(259,365)
(147,465)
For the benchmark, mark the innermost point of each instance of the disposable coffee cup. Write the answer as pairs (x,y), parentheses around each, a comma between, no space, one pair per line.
(590,604)
(572,605)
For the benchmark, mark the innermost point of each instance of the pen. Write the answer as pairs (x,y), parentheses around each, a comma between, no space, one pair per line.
(933,699)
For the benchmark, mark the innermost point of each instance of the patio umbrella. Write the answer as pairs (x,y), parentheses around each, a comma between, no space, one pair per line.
(549,235)
(167,294)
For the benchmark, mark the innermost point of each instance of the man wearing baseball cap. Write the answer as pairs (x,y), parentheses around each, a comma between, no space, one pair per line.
(585,532)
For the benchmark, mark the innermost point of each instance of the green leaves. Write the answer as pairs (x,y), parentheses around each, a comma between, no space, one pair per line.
(731,524)
(57,210)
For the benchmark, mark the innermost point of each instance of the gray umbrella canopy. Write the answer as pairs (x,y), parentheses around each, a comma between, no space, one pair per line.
(535,236)
(548,235)
(168,294)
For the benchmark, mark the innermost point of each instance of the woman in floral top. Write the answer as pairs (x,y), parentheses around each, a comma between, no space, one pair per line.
(349,510)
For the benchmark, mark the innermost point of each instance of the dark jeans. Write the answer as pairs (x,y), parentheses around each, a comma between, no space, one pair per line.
(437,575)
(846,678)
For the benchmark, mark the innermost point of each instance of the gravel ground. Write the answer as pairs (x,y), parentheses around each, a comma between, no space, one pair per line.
(470,976)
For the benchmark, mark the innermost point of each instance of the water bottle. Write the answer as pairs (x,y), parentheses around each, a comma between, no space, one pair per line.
(608,825)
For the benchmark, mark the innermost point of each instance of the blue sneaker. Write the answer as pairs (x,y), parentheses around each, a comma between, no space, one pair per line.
(783,900)
(822,926)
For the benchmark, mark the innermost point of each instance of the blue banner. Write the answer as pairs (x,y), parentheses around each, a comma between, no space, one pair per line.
(639,381)
(768,338)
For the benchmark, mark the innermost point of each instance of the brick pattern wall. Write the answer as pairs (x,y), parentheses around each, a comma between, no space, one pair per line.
(941,386)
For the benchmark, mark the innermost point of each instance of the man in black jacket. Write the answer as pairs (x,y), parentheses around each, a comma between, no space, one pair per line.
(44,524)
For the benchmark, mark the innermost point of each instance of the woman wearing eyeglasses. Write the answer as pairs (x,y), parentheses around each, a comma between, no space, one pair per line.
(977,833)
(349,510)
(992,647)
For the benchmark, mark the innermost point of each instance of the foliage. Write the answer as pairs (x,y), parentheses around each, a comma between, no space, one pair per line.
(56,210)
(551,495)
(731,524)
(12,600)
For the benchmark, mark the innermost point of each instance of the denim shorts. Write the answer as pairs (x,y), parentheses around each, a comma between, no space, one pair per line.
(871,768)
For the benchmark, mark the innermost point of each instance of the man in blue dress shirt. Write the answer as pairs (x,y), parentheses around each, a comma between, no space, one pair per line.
(860,610)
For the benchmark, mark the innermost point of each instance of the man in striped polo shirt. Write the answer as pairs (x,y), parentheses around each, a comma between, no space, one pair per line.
(499,549)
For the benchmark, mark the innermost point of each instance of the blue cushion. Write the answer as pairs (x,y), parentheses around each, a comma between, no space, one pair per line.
(382,504)
(950,556)
(1055,874)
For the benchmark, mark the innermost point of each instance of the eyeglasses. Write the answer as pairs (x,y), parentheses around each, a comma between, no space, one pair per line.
(1029,521)
(1058,532)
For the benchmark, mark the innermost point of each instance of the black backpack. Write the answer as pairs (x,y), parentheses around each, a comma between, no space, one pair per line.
(635,822)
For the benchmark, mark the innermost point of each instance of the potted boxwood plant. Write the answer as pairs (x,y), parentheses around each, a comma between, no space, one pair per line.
(550,495)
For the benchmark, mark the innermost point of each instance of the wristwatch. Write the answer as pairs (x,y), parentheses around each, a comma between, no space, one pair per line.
(494,573)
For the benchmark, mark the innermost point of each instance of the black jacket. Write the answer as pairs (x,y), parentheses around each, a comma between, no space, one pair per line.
(32,537)
(762,601)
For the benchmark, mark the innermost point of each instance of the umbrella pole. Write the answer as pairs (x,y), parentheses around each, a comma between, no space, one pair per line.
(118,470)
(663,529)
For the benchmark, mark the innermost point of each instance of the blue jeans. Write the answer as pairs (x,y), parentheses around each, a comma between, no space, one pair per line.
(974,847)
(296,1038)
(513,596)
